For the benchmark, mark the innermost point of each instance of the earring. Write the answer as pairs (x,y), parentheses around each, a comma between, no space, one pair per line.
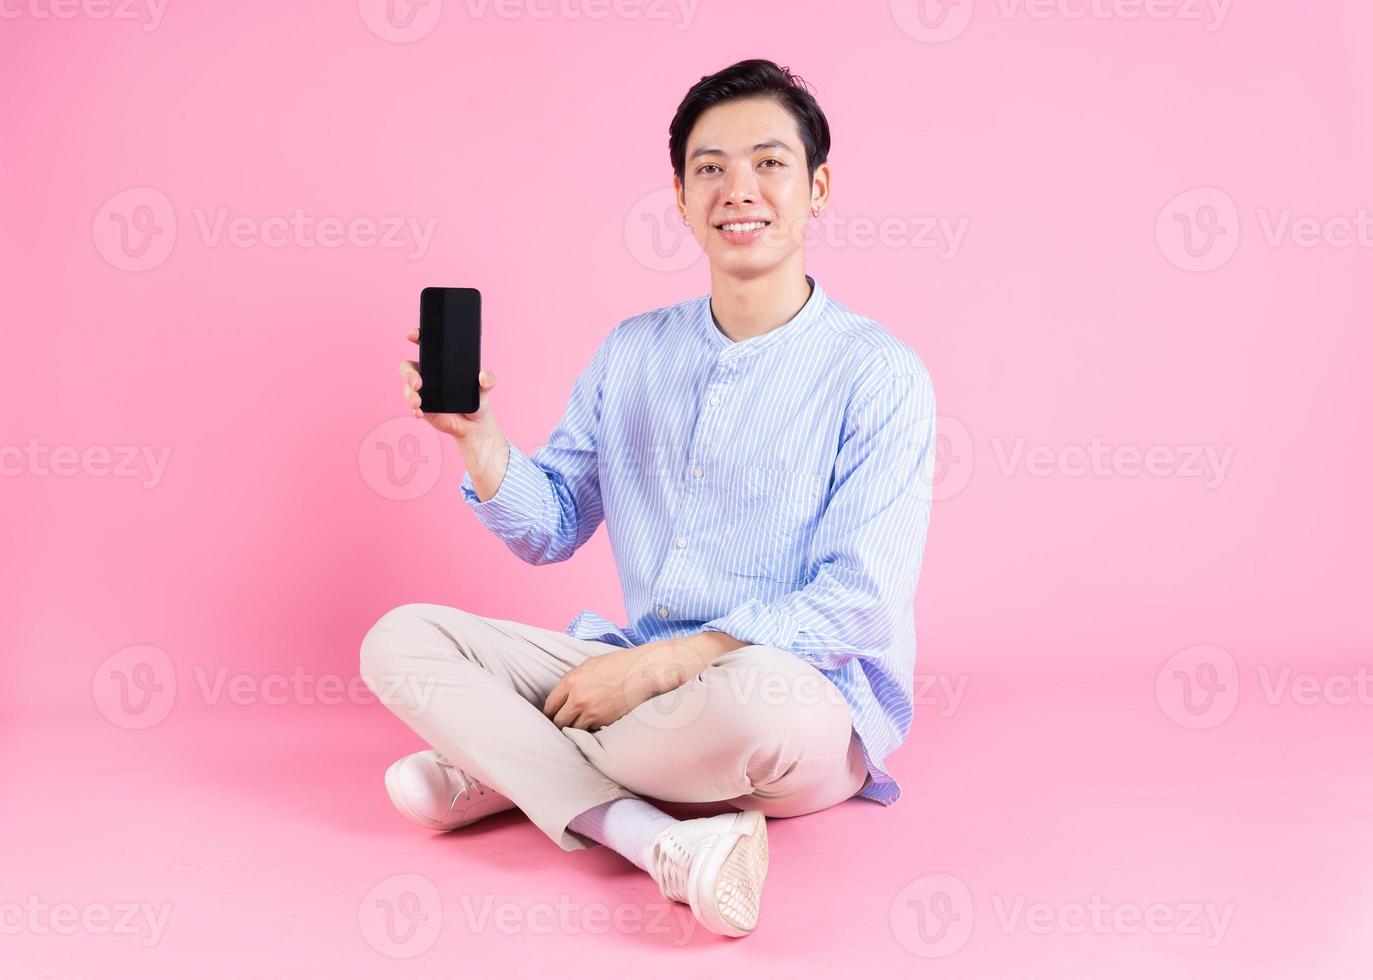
(815,212)
(686,221)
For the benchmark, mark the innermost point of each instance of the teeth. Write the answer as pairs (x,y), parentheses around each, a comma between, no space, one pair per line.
(751,226)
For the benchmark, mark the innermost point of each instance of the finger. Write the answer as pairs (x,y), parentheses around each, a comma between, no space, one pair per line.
(410,371)
(413,334)
(487,380)
(555,699)
(567,714)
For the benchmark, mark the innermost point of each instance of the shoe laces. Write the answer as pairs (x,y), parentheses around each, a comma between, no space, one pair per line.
(670,864)
(466,783)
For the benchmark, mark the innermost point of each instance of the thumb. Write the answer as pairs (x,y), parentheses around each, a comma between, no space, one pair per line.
(487,380)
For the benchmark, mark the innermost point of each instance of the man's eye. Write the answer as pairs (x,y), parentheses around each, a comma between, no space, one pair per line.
(709,166)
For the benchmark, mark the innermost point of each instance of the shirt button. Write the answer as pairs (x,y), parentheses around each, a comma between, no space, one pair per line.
(662,611)
(681,542)
(696,471)
(715,399)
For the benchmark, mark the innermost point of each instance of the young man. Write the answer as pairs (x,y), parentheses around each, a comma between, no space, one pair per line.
(762,459)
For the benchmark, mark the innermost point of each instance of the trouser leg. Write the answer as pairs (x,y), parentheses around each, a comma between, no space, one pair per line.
(759,728)
(473,687)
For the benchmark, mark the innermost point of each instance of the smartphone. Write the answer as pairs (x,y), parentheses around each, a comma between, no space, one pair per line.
(450,349)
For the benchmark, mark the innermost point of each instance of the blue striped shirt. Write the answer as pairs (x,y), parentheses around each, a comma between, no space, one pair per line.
(774,488)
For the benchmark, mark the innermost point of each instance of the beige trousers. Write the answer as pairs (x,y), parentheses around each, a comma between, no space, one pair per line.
(759,729)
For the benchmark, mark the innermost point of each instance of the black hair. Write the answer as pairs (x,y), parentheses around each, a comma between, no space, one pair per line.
(756,77)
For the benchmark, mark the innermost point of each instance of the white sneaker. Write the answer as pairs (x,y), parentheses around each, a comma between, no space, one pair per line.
(434,793)
(717,866)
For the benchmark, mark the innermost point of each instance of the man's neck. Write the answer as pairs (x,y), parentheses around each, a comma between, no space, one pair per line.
(745,308)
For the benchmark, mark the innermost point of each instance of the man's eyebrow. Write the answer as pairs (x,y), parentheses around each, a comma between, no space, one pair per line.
(765,145)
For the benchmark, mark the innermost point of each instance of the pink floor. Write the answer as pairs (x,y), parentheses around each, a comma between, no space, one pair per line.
(1064,827)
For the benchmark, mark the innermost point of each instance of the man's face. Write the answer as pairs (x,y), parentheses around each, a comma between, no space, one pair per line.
(745,164)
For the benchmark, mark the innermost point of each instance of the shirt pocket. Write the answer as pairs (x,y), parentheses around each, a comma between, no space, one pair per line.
(774,516)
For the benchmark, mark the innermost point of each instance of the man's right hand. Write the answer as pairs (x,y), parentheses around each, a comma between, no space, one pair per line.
(463,425)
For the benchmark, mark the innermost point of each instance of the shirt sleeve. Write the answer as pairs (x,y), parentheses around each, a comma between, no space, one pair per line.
(871,536)
(549,504)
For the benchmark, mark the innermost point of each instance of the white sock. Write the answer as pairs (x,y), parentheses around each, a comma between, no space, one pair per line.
(626,826)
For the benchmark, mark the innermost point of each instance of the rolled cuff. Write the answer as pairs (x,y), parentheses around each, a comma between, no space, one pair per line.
(517,502)
(755,623)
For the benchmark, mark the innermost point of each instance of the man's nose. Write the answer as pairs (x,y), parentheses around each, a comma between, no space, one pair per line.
(741,187)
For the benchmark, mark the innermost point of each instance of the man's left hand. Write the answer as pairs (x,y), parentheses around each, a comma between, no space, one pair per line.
(605,688)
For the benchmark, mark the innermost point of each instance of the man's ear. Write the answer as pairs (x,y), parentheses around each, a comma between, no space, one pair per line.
(679,192)
(820,186)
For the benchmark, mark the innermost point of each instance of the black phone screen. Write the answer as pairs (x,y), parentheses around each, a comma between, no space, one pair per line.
(450,349)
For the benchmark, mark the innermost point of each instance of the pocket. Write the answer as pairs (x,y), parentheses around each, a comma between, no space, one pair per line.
(774,516)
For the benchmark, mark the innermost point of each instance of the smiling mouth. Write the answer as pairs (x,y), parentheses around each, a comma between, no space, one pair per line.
(742,226)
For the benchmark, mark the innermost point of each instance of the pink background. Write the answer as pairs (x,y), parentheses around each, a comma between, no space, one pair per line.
(536,149)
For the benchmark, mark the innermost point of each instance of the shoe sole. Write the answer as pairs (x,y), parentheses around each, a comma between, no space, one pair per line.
(726,883)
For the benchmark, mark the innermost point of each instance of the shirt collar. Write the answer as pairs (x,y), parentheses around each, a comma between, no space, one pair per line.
(797,325)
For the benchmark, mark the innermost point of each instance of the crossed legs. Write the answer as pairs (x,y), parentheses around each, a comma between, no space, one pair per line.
(759,728)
